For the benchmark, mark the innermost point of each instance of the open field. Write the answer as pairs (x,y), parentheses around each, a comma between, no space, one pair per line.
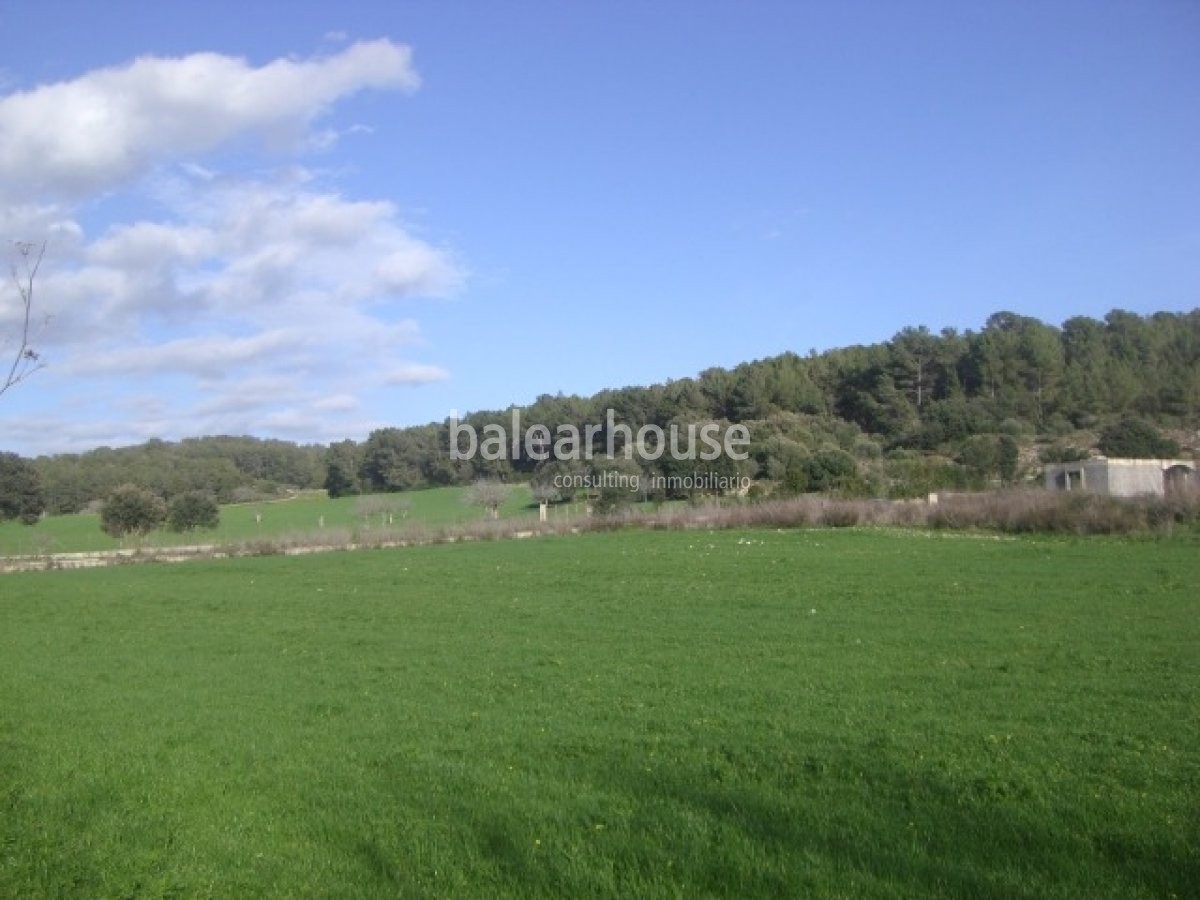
(282,518)
(314,521)
(833,713)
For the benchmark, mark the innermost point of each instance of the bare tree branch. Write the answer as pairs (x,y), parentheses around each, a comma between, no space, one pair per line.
(26,360)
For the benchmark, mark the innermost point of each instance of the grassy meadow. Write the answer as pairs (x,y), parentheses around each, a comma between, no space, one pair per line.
(305,515)
(826,713)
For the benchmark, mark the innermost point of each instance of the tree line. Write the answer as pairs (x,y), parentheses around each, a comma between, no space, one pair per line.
(919,412)
(922,411)
(231,469)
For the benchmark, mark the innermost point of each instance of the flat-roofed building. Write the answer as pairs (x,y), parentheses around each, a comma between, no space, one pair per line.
(1122,477)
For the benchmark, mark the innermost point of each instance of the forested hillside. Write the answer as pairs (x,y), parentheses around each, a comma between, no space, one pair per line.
(230,468)
(920,412)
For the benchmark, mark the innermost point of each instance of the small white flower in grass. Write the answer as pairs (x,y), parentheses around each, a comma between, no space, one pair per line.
(812,612)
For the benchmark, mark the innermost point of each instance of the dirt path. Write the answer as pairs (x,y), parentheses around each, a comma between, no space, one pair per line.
(93,559)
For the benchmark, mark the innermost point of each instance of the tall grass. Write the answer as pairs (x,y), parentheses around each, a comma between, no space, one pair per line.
(1012,512)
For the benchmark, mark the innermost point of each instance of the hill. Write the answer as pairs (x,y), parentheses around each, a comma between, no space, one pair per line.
(922,411)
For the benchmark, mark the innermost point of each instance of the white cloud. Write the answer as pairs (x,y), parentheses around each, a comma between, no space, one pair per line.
(152,245)
(255,254)
(23,221)
(74,138)
(209,356)
(415,267)
(336,403)
(263,303)
(225,398)
(415,374)
(271,305)
(62,435)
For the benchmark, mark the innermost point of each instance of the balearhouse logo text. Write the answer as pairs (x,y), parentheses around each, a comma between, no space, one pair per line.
(705,442)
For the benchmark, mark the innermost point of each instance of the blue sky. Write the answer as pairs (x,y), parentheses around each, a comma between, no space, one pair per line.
(309,220)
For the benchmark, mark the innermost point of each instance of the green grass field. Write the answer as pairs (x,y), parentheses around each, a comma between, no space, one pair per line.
(654,714)
(301,516)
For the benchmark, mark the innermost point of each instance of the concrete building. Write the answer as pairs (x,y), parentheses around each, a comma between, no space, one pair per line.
(1122,477)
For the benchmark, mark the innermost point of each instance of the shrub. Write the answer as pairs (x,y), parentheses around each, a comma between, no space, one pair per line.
(1008,458)
(867,449)
(1061,453)
(1133,438)
(612,501)
(130,509)
(980,454)
(842,515)
(21,495)
(924,475)
(827,470)
(192,510)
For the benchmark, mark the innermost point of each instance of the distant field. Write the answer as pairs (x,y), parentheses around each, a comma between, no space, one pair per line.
(638,714)
(305,515)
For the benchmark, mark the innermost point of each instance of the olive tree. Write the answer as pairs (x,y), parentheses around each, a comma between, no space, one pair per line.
(386,506)
(489,494)
(544,492)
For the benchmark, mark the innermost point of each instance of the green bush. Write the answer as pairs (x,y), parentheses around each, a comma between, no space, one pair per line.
(130,509)
(1132,438)
(21,495)
(825,471)
(1061,453)
(195,509)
